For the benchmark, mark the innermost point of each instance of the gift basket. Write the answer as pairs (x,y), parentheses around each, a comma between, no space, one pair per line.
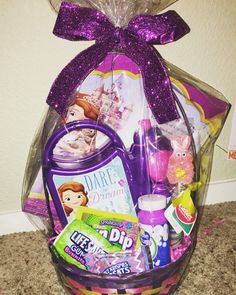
(118,169)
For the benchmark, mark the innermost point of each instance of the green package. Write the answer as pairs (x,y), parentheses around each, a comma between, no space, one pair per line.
(121,230)
(77,240)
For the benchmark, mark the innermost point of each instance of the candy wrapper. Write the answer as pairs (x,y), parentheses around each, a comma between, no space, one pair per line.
(120,230)
(77,240)
(120,263)
(123,122)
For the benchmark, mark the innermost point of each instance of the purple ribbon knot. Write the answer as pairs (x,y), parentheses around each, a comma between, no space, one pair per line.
(118,32)
(79,23)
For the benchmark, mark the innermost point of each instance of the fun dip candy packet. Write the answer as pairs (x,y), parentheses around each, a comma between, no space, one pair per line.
(120,230)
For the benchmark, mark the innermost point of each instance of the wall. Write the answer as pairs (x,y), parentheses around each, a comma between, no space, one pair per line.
(31,57)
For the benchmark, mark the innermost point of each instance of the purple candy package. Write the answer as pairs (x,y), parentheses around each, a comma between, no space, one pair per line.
(120,263)
(121,123)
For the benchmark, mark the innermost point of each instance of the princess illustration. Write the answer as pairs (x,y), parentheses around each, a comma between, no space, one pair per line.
(81,109)
(72,195)
(78,143)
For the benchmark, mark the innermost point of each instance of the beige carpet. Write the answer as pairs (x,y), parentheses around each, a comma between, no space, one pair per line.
(26,269)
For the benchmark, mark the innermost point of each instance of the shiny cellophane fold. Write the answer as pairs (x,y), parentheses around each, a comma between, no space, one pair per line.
(120,12)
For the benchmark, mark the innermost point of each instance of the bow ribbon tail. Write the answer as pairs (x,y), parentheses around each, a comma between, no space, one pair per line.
(157,85)
(74,74)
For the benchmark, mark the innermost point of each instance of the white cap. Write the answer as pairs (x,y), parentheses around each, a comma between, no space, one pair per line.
(152,202)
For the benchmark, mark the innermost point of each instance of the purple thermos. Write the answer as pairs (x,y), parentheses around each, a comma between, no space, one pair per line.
(154,228)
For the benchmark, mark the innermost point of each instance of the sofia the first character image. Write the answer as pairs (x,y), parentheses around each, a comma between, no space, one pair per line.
(72,195)
(78,143)
(81,109)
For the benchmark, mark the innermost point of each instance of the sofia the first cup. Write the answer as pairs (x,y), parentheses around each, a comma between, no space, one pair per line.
(108,175)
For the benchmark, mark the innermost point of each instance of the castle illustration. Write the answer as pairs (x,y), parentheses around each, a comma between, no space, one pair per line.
(111,105)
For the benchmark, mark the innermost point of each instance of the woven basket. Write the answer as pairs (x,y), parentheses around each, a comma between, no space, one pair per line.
(163,280)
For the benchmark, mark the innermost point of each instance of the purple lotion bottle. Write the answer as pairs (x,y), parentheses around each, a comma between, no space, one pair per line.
(154,228)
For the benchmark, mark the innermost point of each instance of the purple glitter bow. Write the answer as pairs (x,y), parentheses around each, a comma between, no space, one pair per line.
(77,23)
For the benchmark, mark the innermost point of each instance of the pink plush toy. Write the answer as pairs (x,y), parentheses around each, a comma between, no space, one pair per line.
(180,167)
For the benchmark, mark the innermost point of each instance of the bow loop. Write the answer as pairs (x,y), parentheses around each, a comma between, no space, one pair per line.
(77,23)
(159,29)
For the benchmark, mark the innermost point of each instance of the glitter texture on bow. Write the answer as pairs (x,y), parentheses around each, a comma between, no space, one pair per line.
(76,23)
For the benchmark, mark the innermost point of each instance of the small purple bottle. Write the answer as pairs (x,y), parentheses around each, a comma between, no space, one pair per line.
(154,228)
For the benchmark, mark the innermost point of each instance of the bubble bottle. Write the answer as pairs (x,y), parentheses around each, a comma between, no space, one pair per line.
(154,228)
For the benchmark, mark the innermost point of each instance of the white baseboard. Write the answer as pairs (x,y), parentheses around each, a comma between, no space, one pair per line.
(14,222)
(221,191)
(218,192)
